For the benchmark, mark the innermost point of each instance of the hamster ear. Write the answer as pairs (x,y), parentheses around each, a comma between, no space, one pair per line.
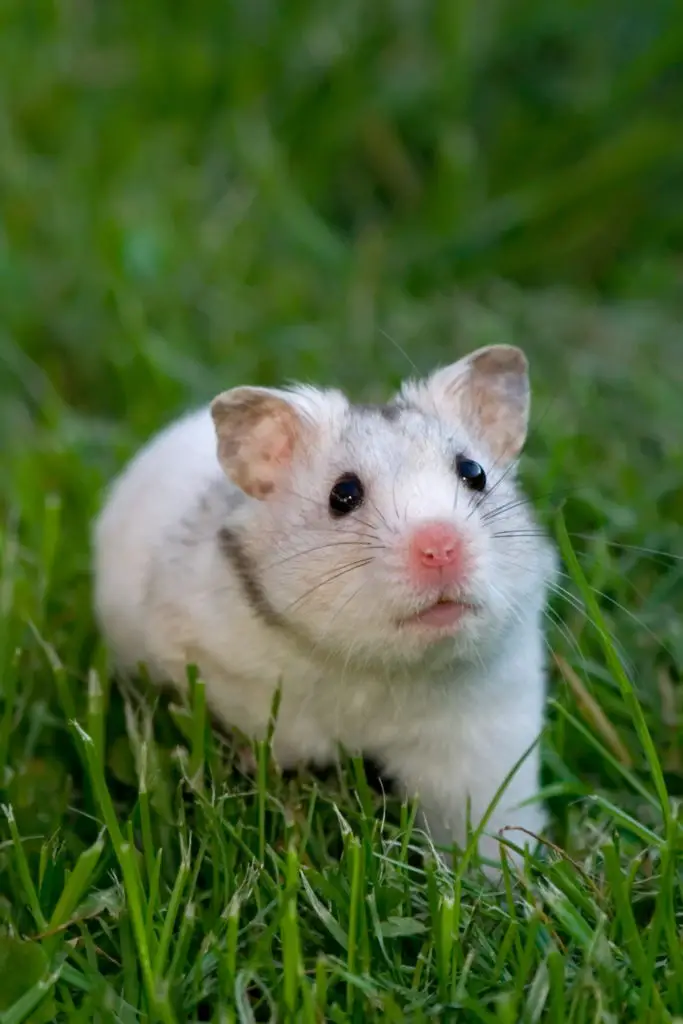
(258,432)
(489,388)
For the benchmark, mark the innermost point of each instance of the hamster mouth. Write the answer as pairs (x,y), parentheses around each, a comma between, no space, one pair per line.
(443,614)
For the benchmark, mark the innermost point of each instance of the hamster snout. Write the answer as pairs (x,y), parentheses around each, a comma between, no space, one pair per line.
(437,555)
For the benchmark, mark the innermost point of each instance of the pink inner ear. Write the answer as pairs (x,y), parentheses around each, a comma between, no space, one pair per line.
(274,441)
(280,452)
(268,451)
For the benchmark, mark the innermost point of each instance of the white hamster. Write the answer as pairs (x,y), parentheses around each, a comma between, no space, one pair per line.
(378,563)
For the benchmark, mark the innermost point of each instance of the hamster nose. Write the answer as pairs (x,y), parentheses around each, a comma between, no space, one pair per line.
(438,547)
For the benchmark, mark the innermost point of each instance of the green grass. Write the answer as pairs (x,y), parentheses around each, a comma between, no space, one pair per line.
(251,193)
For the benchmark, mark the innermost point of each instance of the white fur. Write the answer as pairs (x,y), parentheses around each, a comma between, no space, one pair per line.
(447,716)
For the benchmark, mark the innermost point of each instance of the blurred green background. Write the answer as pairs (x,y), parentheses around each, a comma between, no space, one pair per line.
(268,187)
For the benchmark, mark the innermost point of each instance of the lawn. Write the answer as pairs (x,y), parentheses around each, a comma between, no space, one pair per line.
(260,192)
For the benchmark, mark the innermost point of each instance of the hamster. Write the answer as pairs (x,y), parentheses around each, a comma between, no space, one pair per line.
(377,564)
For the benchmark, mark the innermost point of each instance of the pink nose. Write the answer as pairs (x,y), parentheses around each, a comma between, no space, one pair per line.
(436,549)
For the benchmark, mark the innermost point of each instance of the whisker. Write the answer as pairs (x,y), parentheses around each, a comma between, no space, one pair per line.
(570,598)
(487,494)
(354,595)
(381,515)
(401,351)
(520,533)
(518,502)
(306,497)
(325,547)
(457,492)
(330,579)
(344,532)
(628,547)
(438,418)
(323,506)
(363,522)
(536,501)
(556,622)
(320,640)
(573,599)
(619,647)
(393,494)
(634,618)
(338,532)
(488,517)
(511,602)
(575,602)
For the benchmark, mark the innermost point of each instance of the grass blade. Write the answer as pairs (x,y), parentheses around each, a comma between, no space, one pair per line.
(31,1000)
(126,858)
(77,883)
(24,872)
(617,669)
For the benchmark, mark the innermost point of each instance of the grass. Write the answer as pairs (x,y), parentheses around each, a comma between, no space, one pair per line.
(191,200)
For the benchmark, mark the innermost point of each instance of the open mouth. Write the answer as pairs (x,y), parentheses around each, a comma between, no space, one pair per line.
(443,614)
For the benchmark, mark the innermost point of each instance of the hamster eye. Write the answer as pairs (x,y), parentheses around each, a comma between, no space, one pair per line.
(471,473)
(346,495)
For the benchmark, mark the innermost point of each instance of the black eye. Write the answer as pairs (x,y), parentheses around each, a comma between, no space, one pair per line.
(346,495)
(470,473)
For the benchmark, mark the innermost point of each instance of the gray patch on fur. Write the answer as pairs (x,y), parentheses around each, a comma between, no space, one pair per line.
(227,494)
(246,570)
(389,411)
(247,573)
(219,500)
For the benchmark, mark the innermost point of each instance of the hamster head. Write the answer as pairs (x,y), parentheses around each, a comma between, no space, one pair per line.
(390,531)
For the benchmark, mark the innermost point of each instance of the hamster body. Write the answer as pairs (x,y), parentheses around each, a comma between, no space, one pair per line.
(378,564)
